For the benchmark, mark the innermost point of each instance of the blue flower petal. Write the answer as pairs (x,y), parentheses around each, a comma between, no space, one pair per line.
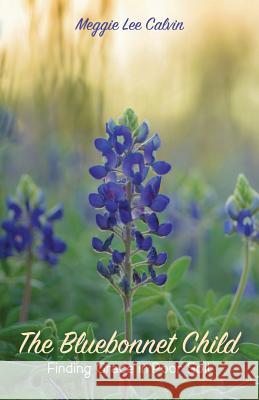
(161,167)
(97,244)
(150,147)
(152,272)
(160,203)
(125,212)
(110,125)
(143,243)
(103,270)
(36,217)
(231,208)
(122,132)
(160,280)
(147,195)
(125,285)
(98,171)
(113,268)
(161,259)
(136,277)
(153,222)
(152,255)
(155,183)
(15,207)
(21,238)
(5,247)
(133,166)
(144,277)
(102,221)
(117,256)
(96,200)
(142,133)
(108,242)
(245,224)
(147,243)
(58,246)
(105,221)
(165,229)
(102,145)
(229,227)
(56,213)
(46,256)
(111,160)
(111,206)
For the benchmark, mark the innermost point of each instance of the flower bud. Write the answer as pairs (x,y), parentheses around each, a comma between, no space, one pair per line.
(172,321)
(49,323)
(243,193)
(28,191)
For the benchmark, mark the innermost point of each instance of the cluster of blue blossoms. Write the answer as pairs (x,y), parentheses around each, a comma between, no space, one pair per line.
(128,203)
(29,227)
(241,208)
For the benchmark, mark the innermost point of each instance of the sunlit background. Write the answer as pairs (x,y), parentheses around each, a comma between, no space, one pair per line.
(199,88)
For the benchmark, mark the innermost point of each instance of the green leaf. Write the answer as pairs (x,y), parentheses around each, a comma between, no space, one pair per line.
(46,333)
(250,350)
(50,323)
(68,324)
(83,327)
(195,310)
(90,333)
(176,272)
(142,305)
(13,333)
(148,291)
(6,350)
(224,303)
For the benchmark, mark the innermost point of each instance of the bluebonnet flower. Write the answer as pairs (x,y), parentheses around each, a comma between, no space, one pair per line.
(29,227)
(108,196)
(124,199)
(142,242)
(123,133)
(51,246)
(101,246)
(155,227)
(106,221)
(241,208)
(134,168)
(150,196)
(118,256)
(156,259)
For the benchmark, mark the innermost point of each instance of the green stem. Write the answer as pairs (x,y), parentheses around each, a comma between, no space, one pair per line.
(27,290)
(239,292)
(128,273)
(128,319)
